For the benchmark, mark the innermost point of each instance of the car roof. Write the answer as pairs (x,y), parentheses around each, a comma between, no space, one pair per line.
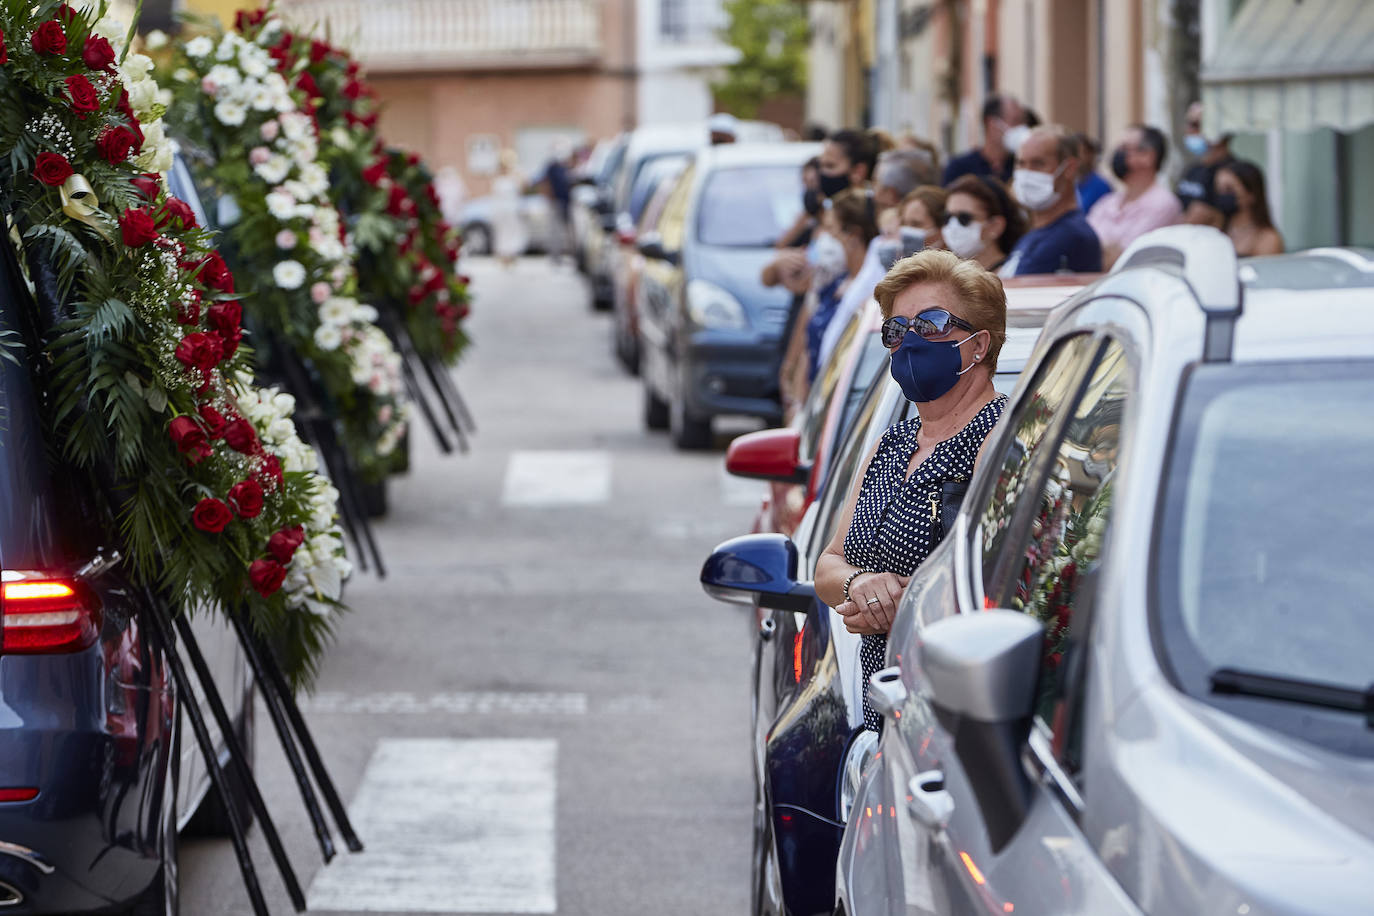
(734,155)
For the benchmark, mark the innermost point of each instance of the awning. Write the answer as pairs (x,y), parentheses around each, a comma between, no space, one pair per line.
(1292,64)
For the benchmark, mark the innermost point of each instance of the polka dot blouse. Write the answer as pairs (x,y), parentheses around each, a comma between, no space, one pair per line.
(897,520)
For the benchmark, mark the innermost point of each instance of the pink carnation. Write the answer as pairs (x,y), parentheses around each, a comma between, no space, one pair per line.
(320,292)
(270,129)
(259,154)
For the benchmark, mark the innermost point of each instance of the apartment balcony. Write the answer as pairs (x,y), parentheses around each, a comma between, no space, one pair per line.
(429,35)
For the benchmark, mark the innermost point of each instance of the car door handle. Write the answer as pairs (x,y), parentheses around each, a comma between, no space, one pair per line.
(886,692)
(929,801)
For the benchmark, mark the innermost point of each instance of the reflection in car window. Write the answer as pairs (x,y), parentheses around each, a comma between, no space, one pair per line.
(749,207)
(1065,536)
(817,404)
(655,171)
(846,467)
(1056,382)
(1264,544)
(672,226)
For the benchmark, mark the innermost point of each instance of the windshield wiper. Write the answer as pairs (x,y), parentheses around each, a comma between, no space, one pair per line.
(1238,682)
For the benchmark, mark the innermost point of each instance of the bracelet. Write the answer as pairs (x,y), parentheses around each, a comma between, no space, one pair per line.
(852,576)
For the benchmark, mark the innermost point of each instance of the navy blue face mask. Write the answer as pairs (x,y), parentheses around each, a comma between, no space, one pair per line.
(927,369)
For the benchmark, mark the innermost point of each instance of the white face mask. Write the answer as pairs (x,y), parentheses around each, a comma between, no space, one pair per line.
(828,256)
(1014,137)
(1035,189)
(965,241)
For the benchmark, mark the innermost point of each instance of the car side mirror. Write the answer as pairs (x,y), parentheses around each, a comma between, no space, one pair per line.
(769,454)
(982,669)
(758,570)
(650,245)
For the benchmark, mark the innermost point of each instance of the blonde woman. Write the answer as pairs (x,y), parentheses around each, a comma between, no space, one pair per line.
(507,228)
(946,321)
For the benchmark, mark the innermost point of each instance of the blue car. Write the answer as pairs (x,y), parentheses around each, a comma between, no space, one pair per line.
(94,781)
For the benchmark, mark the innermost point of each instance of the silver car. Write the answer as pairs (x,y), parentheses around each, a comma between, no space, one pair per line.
(1135,677)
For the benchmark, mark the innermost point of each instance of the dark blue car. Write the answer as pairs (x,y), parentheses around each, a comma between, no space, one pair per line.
(94,782)
(710,331)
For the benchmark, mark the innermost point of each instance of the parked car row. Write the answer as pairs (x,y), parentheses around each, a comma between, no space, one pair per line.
(1133,678)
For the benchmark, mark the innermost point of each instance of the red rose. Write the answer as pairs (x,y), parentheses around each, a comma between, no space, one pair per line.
(306,83)
(97,54)
(117,144)
(189,438)
(229,343)
(318,51)
(270,474)
(51,169)
(123,106)
(225,317)
(4,51)
(188,313)
(413,158)
(266,576)
(65,13)
(399,203)
(246,498)
(283,544)
(375,172)
(82,95)
(215,274)
(148,186)
(175,208)
(281,52)
(49,38)
(136,227)
(199,350)
(211,515)
(247,19)
(214,421)
(354,90)
(241,436)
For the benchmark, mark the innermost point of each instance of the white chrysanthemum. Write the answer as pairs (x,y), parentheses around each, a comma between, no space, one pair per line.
(224,77)
(155,39)
(366,313)
(253,65)
(228,47)
(199,47)
(281,204)
(184,75)
(231,114)
(288,274)
(337,311)
(341,137)
(327,337)
(274,170)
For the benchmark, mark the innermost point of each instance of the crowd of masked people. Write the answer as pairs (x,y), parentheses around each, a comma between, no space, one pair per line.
(1029,200)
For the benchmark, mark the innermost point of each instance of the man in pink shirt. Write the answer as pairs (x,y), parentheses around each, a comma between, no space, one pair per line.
(1143,202)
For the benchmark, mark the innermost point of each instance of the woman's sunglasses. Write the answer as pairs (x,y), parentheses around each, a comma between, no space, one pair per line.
(930,324)
(964,219)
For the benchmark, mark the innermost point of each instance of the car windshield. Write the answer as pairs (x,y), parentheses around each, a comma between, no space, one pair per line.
(749,207)
(1263,553)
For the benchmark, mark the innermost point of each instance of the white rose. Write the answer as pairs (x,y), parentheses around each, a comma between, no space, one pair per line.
(281,429)
(136,67)
(284,403)
(341,137)
(288,274)
(155,39)
(327,337)
(143,96)
(199,46)
(230,113)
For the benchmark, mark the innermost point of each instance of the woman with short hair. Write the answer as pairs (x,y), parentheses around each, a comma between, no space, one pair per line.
(946,321)
(982,222)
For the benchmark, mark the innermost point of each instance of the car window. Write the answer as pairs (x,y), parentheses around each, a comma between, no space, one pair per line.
(672,226)
(653,210)
(1072,510)
(749,207)
(1057,381)
(655,172)
(847,466)
(1262,556)
(817,404)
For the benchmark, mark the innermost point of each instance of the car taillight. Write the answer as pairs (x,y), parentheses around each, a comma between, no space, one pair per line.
(42,613)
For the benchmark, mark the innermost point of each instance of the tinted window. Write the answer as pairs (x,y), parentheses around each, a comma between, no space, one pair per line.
(1065,535)
(1263,550)
(1057,383)
(749,207)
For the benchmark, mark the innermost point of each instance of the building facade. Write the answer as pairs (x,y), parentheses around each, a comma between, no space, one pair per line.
(679,51)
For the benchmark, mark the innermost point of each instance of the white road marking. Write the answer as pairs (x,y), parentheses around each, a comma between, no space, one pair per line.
(741,491)
(479,703)
(450,827)
(556,478)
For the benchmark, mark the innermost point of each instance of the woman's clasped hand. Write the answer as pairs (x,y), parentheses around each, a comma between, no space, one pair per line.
(872,604)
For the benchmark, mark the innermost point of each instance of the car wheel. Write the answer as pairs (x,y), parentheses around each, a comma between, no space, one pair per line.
(212,817)
(626,350)
(477,239)
(689,432)
(655,410)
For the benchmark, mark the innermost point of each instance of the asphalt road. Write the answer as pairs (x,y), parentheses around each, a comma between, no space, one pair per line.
(537,710)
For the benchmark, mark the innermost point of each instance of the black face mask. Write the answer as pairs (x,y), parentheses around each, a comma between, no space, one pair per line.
(834,184)
(1226,203)
(811,201)
(1119,167)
